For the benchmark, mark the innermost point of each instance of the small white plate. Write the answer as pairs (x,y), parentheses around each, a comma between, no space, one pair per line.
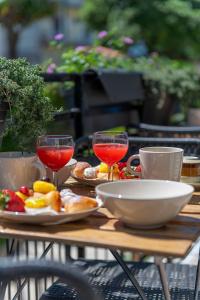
(91,182)
(48,218)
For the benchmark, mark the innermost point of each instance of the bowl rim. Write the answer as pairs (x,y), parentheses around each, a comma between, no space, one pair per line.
(139,198)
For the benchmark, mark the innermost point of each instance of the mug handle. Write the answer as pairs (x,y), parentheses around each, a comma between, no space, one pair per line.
(40,167)
(128,165)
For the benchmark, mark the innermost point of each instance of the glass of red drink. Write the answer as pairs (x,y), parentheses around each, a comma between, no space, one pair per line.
(110,147)
(55,151)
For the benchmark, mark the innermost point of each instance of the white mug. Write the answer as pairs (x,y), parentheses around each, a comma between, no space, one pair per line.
(158,163)
(18,169)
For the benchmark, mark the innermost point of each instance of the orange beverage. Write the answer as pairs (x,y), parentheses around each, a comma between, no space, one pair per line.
(110,153)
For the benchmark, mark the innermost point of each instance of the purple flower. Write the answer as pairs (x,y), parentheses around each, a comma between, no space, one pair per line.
(58,37)
(127,40)
(51,68)
(80,48)
(102,34)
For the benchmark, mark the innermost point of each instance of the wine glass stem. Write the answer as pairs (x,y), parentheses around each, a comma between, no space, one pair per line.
(55,179)
(110,173)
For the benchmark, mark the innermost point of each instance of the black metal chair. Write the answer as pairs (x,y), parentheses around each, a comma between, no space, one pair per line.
(11,270)
(150,130)
(191,146)
(109,280)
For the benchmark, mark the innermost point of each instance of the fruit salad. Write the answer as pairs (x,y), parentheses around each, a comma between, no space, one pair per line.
(43,198)
(86,171)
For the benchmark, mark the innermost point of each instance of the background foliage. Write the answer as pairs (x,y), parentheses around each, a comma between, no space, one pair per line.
(17,14)
(171,27)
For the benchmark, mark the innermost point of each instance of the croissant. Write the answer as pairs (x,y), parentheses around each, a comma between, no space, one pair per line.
(83,203)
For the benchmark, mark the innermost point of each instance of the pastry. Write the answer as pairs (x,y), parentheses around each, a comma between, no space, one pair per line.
(79,204)
(53,199)
(79,169)
(90,173)
(104,176)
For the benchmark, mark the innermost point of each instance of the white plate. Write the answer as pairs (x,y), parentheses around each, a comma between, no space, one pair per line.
(46,218)
(91,182)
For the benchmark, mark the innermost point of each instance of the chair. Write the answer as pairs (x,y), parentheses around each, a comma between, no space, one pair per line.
(150,130)
(109,279)
(191,146)
(69,274)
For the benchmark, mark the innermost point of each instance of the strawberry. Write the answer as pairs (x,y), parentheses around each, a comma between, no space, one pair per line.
(138,169)
(15,204)
(24,190)
(4,198)
(10,201)
(125,175)
(121,165)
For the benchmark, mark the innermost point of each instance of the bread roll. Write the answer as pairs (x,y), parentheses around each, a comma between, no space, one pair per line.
(90,173)
(79,169)
(82,203)
(53,200)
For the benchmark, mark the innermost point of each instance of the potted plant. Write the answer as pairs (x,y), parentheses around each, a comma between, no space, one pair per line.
(28,110)
(171,86)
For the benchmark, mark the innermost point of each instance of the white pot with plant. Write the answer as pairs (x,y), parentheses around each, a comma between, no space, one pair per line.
(28,113)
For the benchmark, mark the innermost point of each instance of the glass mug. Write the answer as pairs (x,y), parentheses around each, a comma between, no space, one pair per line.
(191,169)
(158,163)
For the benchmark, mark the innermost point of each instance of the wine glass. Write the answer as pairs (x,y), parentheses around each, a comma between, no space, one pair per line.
(110,147)
(55,151)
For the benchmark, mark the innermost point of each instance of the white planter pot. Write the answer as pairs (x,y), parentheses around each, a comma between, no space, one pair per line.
(194,116)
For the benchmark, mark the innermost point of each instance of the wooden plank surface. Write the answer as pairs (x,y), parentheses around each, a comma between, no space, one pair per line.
(102,229)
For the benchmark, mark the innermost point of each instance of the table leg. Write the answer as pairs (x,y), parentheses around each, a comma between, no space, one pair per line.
(128,273)
(20,288)
(196,289)
(11,252)
(163,277)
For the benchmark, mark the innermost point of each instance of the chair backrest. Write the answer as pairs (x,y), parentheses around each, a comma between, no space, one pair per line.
(11,270)
(191,146)
(150,130)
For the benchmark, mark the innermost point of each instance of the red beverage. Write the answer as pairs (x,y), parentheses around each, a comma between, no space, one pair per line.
(55,157)
(110,153)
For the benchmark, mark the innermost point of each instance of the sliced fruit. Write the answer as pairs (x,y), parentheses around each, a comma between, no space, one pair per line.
(15,204)
(103,168)
(24,190)
(138,169)
(36,202)
(4,198)
(121,165)
(22,196)
(43,187)
(10,201)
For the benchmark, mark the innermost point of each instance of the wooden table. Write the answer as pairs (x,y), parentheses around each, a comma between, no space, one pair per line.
(102,229)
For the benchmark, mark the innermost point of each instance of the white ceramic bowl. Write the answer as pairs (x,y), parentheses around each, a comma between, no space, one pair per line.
(144,203)
(64,173)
